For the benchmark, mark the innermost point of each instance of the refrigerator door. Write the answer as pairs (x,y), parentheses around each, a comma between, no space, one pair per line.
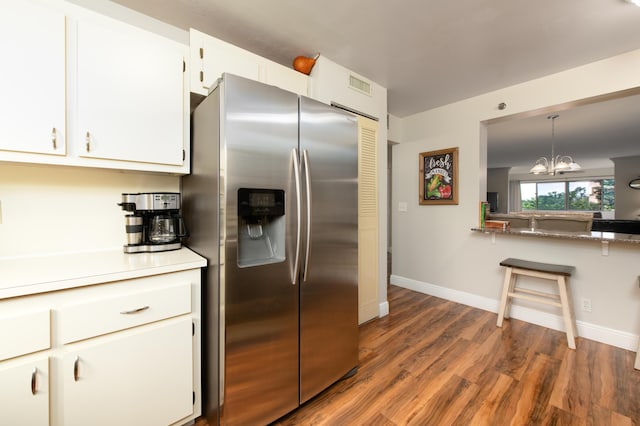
(259,134)
(329,267)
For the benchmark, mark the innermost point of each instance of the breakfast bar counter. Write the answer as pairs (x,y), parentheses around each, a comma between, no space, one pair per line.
(597,236)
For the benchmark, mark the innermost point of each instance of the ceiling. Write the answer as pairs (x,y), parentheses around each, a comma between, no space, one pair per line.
(426,53)
(592,134)
(430,53)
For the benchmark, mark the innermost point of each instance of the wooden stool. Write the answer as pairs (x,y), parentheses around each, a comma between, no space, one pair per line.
(557,273)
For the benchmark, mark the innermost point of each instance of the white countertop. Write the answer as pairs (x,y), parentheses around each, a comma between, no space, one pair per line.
(21,276)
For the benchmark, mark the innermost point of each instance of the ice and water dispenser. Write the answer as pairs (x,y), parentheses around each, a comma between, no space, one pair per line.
(261,226)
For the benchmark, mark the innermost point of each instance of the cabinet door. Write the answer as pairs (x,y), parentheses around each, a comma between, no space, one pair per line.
(24,393)
(130,93)
(32,78)
(367,219)
(211,57)
(285,78)
(144,377)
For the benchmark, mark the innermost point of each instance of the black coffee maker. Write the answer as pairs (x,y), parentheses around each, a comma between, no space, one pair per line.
(155,223)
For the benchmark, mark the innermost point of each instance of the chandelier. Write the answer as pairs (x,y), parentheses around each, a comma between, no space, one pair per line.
(556,163)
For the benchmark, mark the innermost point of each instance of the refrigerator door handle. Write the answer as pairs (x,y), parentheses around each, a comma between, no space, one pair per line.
(307,175)
(296,172)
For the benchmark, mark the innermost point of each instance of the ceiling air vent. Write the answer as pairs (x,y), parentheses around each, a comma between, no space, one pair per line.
(360,85)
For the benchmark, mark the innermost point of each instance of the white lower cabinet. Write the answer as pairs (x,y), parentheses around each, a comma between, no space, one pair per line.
(124,352)
(144,377)
(25,339)
(24,393)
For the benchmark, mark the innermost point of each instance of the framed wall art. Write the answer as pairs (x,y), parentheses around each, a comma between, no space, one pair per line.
(439,177)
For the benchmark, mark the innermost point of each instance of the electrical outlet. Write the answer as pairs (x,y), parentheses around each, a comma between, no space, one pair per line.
(586,304)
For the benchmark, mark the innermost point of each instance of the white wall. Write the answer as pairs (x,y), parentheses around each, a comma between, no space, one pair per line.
(395,128)
(498,181)
(627,199)
(130,16)
(434,249)
(52,209)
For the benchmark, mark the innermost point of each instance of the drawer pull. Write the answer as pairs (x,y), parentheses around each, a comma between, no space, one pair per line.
(135,311)
(34,383)
(75,369)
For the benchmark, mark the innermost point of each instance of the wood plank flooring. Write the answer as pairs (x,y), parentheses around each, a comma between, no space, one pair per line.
(435,362)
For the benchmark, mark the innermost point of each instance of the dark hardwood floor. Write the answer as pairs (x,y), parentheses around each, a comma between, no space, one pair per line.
(435,362)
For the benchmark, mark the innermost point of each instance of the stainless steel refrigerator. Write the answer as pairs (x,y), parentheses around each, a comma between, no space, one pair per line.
(271,202)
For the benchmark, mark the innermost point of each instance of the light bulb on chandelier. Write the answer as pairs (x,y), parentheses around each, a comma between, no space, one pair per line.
(555,163)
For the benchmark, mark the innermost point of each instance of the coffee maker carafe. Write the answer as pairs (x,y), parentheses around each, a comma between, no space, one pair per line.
(154,223)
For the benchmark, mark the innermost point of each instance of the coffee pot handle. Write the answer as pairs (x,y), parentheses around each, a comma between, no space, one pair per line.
(181,228)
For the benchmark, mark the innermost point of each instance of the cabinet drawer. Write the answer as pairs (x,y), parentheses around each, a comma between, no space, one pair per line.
(24,334)
(106,315)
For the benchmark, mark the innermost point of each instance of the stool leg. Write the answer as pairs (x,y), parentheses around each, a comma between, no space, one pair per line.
(504,299)
(571,309)
(512,287)
(637,364)
(569,322)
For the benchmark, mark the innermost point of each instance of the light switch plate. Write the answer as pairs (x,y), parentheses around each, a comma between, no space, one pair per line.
(402,206)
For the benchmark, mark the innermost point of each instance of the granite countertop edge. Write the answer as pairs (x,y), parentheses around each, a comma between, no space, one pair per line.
(597,236)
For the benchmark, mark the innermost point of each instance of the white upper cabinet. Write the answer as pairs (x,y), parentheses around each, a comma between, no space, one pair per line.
(286,78)
(332,83)
(130,93)
(32,78)
(210,57)
(84,89)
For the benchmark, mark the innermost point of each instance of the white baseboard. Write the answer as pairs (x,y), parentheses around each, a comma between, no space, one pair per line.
(609,336)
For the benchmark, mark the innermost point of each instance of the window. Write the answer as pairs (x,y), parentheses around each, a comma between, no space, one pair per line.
(579,195)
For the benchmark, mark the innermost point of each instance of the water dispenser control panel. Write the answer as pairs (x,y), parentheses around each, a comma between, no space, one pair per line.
(260,202)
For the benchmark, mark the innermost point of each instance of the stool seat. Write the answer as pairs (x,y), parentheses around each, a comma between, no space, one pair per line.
(548,271)
(539,266)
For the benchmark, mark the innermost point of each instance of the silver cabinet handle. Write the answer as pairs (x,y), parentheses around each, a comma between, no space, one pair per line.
(135,311)
(34,382)
(54,138)
(88,139)
(75,369)
(307,175)
(296,172)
